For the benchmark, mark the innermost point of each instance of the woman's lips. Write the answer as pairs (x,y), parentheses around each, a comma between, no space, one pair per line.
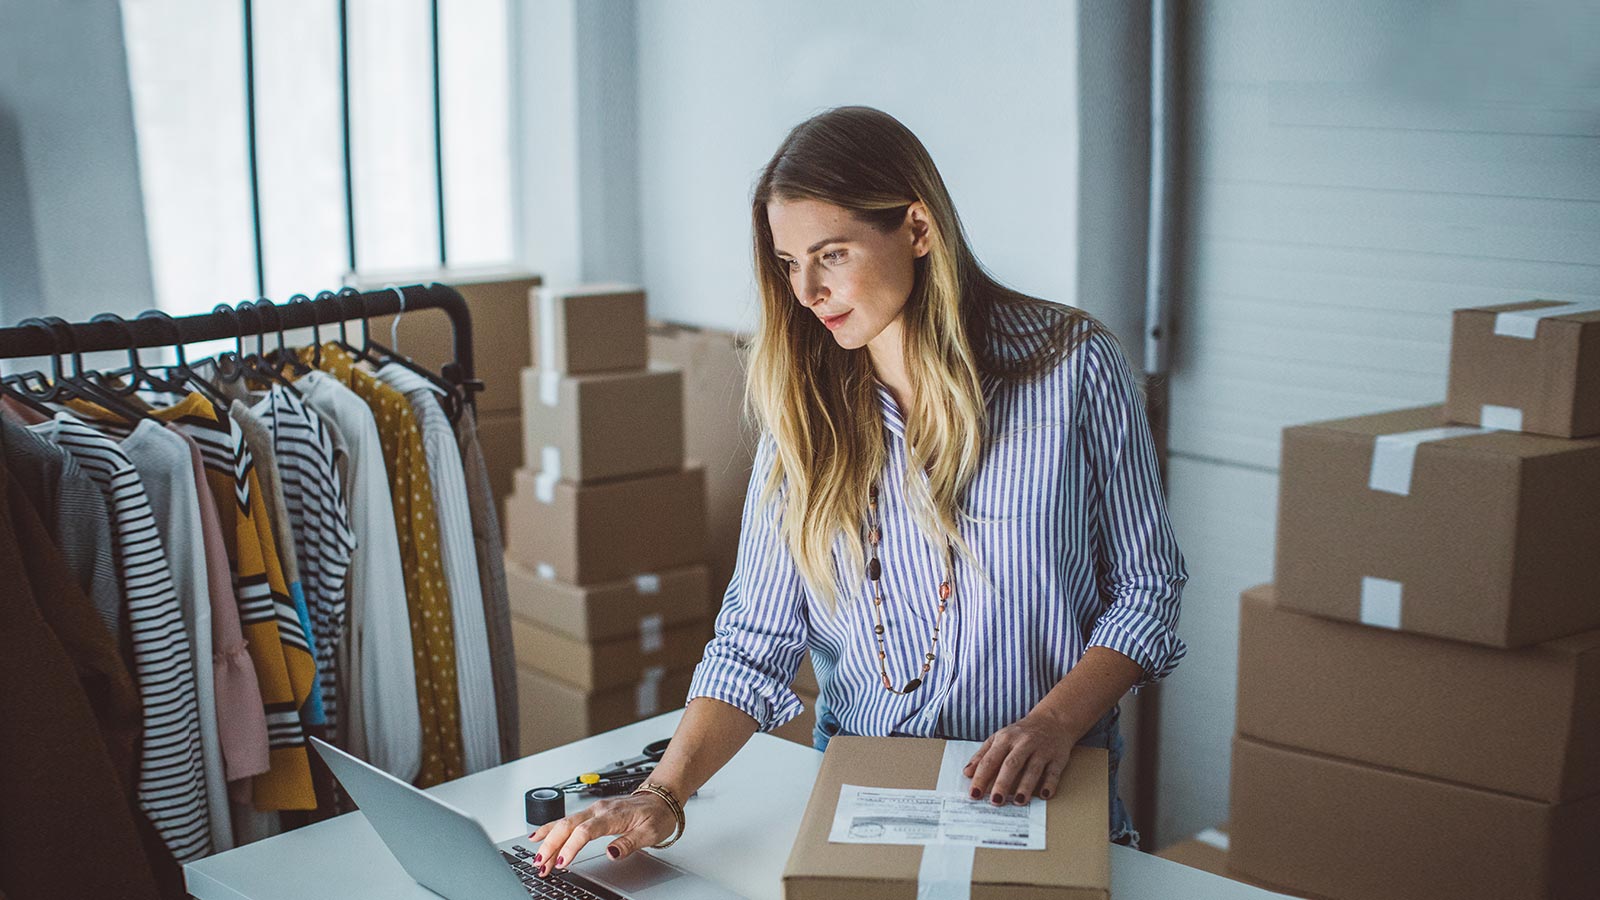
(836,321)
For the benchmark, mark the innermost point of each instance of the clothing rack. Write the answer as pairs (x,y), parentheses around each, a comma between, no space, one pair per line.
(328,309)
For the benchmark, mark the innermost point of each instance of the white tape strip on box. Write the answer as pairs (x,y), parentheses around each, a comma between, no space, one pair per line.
(1211,837)
(547,331)
(544,483)
(647,694)
(1380,602)
(1395,455)
(650,634)
(648,583)
(1502,418)
(1524,323)
(945,872)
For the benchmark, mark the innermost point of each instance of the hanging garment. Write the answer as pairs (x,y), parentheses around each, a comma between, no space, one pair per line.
(172,788)
(378,704)
(489,546)
(76,512)
(52,755)
(320,524)
(241,716)
(258,437)
(274,636)
(432,634)
(480,729)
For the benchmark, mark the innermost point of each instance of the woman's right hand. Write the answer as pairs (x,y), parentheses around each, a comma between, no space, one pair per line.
(638,820)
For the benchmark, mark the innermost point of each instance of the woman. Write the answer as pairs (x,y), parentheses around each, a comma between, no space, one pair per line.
(1011,592)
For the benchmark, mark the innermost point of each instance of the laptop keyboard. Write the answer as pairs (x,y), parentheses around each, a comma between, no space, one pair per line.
(557,885)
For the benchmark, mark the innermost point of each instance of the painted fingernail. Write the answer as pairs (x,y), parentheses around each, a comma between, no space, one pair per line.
(1021,798)
(976,793)
(1045,794)
(997,799)
(613,852)
(560,861)
(538,858)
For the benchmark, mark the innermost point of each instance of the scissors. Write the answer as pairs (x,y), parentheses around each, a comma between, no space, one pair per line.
(619,776)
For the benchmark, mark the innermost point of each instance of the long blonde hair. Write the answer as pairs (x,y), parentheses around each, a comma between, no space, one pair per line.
(818,400)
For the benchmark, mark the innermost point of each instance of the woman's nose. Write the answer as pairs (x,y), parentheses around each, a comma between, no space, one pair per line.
(810,290)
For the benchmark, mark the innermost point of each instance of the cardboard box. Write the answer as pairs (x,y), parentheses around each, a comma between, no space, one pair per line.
(630,607)
(1525,722)
(805,680)
(609,664)
(590,328)
(800,727)
(716,431)
(500,435)
(588,428)
(553,713)
(1341,829)
(1075,864)
(1489,537)
(497,297)
(592,533)
(1531,366)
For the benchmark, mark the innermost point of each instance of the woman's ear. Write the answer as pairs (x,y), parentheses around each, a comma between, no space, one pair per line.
(921,228)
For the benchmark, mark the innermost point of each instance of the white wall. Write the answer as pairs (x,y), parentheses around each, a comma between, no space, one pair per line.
(1356,169)
(72,233)
(990,89)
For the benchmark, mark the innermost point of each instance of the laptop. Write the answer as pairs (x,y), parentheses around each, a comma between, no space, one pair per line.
(448,852)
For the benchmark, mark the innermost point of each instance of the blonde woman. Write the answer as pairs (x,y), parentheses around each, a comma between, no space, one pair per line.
(955,505)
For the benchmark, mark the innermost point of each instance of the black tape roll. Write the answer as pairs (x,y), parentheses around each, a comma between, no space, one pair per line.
(544,804)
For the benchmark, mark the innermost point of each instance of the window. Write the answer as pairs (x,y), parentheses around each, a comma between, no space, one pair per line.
(235,212)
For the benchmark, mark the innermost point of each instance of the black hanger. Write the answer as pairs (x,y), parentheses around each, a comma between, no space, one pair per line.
(127,381)
(82,385)
(16,385)
(257,362)
(284,356)
(187,378)
(364,352)
(452,396)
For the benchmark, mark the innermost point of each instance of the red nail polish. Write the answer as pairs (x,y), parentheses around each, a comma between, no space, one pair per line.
(538,858)
(1021,798)
(998,799)
(560,860)
(613,852)
(976,793)
(1045,794)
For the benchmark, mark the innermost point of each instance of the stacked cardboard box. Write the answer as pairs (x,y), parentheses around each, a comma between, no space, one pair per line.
(1419,690)
(722,438)
(605,525)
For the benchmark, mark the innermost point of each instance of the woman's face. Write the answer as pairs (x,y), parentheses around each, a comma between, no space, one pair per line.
(854,278)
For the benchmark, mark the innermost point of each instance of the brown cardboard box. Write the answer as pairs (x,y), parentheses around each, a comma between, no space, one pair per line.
(1492,541)
(553,712)
(590,328)
(614,609)
(1525,722)
(800,727)
(1525,374)
(498,300)
(592,533)
(1337,828)
(500,434)
(613,663)
(715,430)
(1075,864)
(587,428)
(805,680)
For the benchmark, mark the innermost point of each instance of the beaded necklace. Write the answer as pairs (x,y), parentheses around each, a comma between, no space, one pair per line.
(875,574)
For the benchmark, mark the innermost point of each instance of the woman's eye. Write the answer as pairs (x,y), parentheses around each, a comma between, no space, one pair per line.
(833,255)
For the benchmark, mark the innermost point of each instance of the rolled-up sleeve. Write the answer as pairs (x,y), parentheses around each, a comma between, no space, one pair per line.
(762,630)
(1141,570)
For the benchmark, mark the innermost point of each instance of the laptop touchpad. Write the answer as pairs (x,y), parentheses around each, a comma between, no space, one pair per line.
(638,875)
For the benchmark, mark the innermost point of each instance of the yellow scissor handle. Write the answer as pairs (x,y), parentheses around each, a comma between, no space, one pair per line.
(589,778)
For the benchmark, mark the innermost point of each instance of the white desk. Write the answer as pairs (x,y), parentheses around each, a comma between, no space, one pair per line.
(741,825)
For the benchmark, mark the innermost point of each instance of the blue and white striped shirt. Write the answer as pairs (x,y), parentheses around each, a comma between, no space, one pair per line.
(1074,533)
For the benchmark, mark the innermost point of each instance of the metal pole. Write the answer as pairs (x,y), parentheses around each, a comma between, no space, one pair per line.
(250,124)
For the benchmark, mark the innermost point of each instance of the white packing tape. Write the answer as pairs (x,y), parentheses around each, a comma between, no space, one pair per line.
(647,694)
(1213,838)
(1524,323)
(547,329)
(650,633)
(945,872)
(544,487)
(648,583)
(546,571)
(550,388)
(1394,455)
(1380,602)
(1500,418)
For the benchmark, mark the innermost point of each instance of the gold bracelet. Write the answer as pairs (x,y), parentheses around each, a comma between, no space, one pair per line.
(672,804)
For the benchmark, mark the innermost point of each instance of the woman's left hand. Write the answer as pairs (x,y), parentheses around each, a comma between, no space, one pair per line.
(1022,760)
